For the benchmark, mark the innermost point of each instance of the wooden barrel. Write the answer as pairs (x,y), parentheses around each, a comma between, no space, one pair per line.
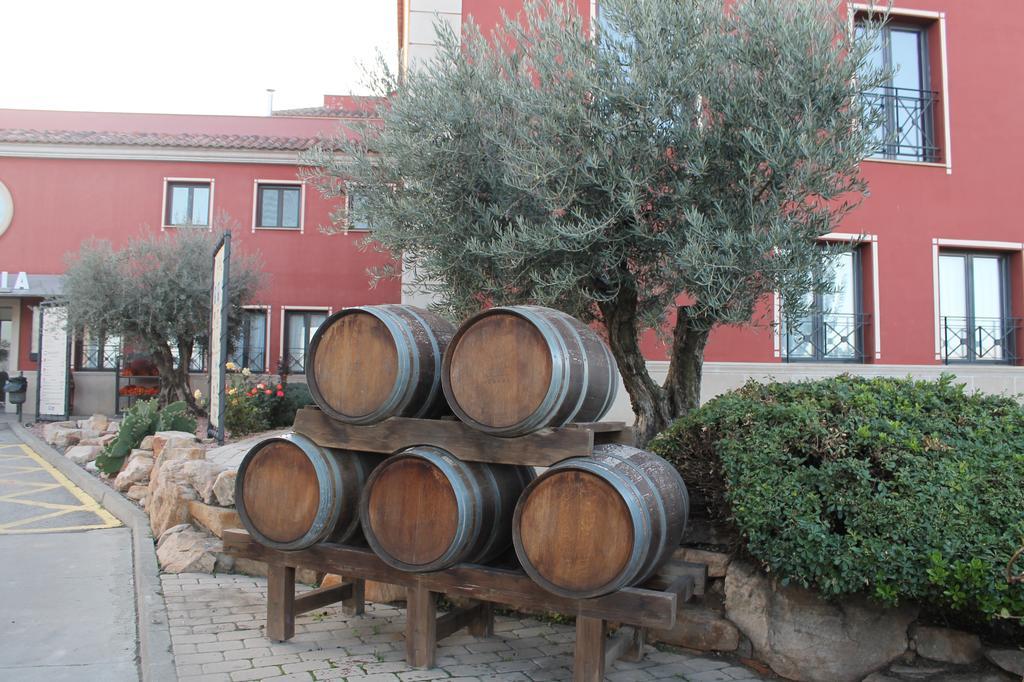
(373,362)
(424,509)
(291,493)
(592,525)
(511,371)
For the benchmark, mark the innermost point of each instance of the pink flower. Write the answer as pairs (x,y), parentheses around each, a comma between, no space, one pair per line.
(268,391)
(280,394)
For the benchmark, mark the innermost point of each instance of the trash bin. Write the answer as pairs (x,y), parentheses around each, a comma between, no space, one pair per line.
(16,389)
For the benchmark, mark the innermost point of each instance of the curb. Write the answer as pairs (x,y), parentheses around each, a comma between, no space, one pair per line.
(156,663)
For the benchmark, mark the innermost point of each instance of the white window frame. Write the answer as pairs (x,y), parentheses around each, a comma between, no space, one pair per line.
(876,315)
(163,204)
(266,341)
(940,18)
(938,244)
(285,309)
(302,204)
(349,227)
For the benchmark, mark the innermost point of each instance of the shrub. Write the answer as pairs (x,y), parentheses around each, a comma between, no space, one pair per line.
(144,418)
(296,396)
(906,490)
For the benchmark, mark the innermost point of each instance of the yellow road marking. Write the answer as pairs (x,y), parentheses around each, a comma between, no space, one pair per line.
(87,503)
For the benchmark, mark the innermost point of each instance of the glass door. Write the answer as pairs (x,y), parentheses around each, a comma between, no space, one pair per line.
(7,360)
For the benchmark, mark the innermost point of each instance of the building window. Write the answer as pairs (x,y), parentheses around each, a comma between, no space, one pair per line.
(279,206)
(251,342)
(906,102)
(974,308)
(833,328)
(356,207)
(97,351)
(188,204)
(299,327)
(197,363)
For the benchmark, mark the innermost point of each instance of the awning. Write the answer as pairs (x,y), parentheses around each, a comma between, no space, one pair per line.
(39,286)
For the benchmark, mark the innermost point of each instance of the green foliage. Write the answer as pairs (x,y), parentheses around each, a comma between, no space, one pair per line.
(144,418)
(257,404)
(905,490)
(139,422)
(695,148)
(176,417)
(155,292)
(282,411)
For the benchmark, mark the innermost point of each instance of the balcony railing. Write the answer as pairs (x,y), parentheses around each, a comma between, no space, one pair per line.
(252,357)
(825,337)
(294,360)
(908,130)
(980,339)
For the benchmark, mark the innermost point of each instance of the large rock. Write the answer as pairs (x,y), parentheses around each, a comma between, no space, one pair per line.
(803,637)
(183,549)
(302,575)
(172,439)
(213,519)
(946,645)
(717,562)
(103,440)
(202,475)
(147,443)
(83,454)
(1010,660)
(701,629)
(139,493)
(97,423)
(61,435)
(169,495)
(170,454)
(224,487)
(135,471)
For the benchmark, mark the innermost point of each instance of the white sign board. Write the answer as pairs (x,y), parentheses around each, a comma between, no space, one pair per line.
(54,364)
(219,334)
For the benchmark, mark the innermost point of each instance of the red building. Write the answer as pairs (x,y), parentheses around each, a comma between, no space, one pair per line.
(67,177)
(936,281)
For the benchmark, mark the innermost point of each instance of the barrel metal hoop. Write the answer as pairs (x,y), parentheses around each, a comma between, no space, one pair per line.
(359,463)
(456,471)
(435,349)
(407,359)
(613,380)
(586,375)
(558,388)
(662,511)
(499,510)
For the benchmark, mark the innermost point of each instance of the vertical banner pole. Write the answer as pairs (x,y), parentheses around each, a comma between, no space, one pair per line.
(220,304)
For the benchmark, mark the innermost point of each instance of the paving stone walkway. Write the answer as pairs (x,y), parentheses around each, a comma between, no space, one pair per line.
(217,633)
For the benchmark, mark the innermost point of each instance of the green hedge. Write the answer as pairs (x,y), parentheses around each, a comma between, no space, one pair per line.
(905,490)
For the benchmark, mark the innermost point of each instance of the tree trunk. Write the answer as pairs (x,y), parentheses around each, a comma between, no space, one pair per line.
(645,396)
(174,380)
(655,406)
(686,365)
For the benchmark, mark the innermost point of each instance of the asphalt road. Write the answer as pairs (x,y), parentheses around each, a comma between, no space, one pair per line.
(67,602)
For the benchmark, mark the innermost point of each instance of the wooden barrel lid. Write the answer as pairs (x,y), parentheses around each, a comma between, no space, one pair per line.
(281,492)
(413,512)
(576,530)
(356,364)
(500,370)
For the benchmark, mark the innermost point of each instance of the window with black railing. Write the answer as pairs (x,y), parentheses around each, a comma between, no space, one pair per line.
(906,104)
(832,329)
(974,309)
(251,342)
(97,351)
(299,327)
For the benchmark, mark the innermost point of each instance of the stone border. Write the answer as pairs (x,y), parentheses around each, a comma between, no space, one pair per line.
(156,663)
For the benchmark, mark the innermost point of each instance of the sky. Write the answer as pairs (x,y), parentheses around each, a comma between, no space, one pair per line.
(188,56)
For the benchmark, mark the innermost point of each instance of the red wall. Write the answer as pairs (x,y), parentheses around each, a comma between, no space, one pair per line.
(912,204)
(60,203)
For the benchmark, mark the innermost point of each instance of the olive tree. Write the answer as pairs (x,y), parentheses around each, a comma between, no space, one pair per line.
(668,171)
(155,293)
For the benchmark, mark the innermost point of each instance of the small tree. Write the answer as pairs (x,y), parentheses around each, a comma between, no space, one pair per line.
(692,153)
(155,292)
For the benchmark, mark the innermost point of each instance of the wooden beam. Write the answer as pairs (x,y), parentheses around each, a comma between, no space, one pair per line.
(542,448)
(456,619)
(616,647)
(483,624)
(280,603)
(355,603)
(322,596)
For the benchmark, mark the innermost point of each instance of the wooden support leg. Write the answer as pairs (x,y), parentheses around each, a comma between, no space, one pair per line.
(280,602)
(483,624)
(420,627)
(356,604)
(635,651)
(588,664)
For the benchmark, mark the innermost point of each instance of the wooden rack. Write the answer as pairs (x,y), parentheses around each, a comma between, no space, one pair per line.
(652,606)
(541,448)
